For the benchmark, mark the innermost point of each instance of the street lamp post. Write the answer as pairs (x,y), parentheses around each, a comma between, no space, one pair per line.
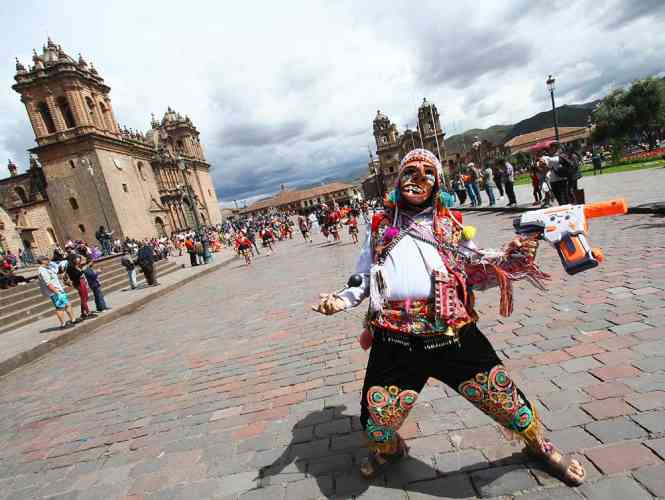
(550,87)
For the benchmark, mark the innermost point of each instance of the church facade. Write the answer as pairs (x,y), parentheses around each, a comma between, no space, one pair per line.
(391,146)
(90,172)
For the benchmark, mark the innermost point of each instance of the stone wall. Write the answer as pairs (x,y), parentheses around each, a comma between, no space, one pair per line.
(9,237)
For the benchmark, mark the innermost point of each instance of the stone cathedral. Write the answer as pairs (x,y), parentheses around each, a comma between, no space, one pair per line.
(86,171)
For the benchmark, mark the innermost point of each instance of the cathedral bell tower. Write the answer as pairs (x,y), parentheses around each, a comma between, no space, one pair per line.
(64,98)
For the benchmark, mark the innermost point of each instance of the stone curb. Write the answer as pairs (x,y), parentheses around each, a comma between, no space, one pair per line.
(639,209)
(67,336)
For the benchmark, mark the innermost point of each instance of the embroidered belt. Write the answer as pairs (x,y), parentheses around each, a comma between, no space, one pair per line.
(403,321)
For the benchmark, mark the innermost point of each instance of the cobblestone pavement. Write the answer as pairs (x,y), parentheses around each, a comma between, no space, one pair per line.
(232,388)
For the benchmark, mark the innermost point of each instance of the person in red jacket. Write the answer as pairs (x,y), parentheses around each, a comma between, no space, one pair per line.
(352,222)
(244,247)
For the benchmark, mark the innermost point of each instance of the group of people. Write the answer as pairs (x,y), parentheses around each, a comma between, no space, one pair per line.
(468,180)
(268,228)
(554,173)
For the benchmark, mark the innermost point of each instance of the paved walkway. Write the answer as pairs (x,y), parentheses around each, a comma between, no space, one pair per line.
(29,342)
(231,387)
(641,187)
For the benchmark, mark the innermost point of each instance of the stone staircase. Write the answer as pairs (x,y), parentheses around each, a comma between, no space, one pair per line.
(24,304)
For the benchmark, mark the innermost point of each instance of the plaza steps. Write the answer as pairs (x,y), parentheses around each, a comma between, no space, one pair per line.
(24,304)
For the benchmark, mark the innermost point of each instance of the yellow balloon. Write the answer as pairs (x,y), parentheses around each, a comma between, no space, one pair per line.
(469,232)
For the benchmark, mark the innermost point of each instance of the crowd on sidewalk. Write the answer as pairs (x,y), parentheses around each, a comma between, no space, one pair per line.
(554,173)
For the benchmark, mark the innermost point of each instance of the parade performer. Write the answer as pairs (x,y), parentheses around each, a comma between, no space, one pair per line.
(419,267)
(334,218)
(352,222)
(267,237)
(244,247)
(304,225)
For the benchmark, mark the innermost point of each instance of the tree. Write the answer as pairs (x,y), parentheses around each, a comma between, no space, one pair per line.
(638,111)
(646,98)
(612,118)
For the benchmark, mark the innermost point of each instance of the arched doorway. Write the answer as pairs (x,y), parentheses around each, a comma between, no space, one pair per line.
(160,227)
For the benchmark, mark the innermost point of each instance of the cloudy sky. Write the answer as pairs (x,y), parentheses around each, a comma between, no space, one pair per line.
(285,92)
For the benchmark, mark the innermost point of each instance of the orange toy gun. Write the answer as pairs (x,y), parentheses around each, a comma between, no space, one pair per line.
(566,228)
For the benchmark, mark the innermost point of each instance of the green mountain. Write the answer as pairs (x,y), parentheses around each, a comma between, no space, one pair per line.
(570,115)
(462,142)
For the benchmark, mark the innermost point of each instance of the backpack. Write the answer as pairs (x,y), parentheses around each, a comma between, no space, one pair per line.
(568,166)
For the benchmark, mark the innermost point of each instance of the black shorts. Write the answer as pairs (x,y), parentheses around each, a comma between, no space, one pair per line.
(243,248)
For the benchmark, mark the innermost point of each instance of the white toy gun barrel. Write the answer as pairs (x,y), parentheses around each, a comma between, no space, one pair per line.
(566,228)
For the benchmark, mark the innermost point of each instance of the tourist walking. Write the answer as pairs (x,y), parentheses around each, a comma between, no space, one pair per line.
(105,240)
(597,162)
(509,181)
(130,266)
(191,251)
(458,187)
(497,173)
(470,186)
(76,277)
(488,183)
(92,277)
(146,261)
(535,185)
(51,287)
(557,175)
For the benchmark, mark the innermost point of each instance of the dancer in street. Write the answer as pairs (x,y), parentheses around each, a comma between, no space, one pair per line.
(352,222)
(303,224)
(419,266)
(244,247)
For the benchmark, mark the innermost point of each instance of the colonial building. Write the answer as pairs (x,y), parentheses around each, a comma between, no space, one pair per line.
(94,173)
(305,200)
(391,146)
(24,199)
(525,142)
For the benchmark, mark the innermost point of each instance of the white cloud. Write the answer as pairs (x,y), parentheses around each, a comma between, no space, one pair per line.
(286,91)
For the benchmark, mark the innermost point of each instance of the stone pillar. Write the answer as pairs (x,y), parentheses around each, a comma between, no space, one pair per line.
(86,119)
(114,124)
(55,114)
(38,126)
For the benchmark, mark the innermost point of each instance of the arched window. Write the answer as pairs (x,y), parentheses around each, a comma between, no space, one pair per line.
(45,113)
(66,111)
(21,194)
(72,163)
(139,167)
(82,228)
(74,203)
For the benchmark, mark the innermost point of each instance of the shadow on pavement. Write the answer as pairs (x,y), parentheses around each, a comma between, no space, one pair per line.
(335,466)
(650,225)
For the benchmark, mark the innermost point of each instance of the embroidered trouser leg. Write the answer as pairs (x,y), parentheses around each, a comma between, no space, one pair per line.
(475,371)
(393,380)
(395,375)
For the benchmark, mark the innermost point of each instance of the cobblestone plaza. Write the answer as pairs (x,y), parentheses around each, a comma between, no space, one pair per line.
(232,387)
